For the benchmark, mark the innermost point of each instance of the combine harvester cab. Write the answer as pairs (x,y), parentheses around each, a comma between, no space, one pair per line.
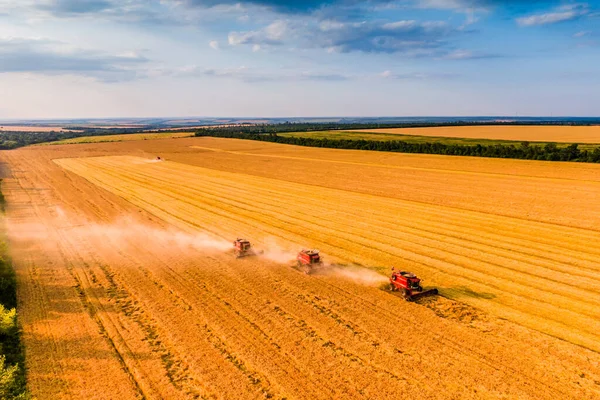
(243,248)
(409,285)
(309,260)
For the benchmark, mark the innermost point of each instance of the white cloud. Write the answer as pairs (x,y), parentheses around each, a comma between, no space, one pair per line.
(252,75)
(462,54)
(581,34)
(330,25)
(399,25)
(415,75)
(258,75)
(460,5)
(471,18)
(408,37)
(272,35)
(214,44)
(50,57)
(276,31)
(566,13)
(440,4)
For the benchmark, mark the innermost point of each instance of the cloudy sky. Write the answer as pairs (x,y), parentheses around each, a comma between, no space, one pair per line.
(142,58)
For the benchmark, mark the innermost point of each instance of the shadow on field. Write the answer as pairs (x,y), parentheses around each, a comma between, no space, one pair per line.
(68,299)
(85,349)
(459,292)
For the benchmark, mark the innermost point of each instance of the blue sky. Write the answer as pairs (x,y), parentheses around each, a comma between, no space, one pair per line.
(109,58)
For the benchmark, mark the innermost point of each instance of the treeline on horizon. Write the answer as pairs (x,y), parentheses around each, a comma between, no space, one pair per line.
(333,126)
(523,151)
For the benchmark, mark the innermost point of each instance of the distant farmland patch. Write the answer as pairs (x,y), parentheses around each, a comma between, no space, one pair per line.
(34,128)
(537,133)
(122,138)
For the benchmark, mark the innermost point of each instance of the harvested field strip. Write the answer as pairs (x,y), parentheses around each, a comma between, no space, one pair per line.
(377,316)
(187,371)
(198,303)
(534,290)
(87,333)
(205,306)
(246,296)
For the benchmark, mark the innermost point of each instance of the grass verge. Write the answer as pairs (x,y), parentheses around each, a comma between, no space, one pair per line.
(13,384)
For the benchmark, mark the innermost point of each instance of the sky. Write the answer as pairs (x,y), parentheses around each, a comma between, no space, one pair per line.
(274,58)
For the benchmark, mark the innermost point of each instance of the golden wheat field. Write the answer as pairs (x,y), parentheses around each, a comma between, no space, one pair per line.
(561,134)
(129,288)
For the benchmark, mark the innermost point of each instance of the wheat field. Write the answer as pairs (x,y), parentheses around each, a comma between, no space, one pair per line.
(128,287)
(532,273)
(562,134)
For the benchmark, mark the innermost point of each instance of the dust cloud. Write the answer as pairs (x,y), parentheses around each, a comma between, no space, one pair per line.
(275,252)
(127,232)
(356,274)
(138,233)
(123,232)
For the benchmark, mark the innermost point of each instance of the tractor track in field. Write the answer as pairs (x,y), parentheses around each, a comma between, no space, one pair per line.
(169,359)
(480,358)
(459,348)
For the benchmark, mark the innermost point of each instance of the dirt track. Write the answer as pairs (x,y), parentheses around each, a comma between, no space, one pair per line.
(122,299)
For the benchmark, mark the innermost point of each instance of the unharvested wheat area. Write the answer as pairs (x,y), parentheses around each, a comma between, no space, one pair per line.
(128,286)
(564,134)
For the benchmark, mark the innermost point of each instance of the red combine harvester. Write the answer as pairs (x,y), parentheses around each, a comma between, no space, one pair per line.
(243,248)
(308,260)
(409,285)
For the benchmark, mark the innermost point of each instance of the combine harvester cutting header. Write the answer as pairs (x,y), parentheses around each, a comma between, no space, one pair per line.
(409,285)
